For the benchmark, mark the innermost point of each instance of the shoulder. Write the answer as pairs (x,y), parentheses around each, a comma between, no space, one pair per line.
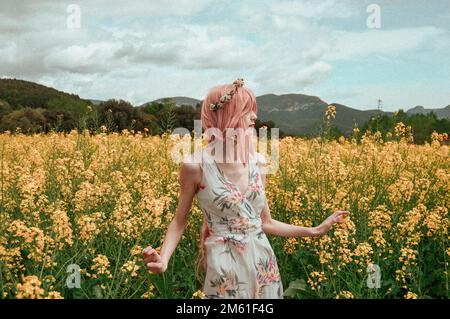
(190,167)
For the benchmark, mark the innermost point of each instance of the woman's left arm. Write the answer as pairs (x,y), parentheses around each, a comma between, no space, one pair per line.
(275,227)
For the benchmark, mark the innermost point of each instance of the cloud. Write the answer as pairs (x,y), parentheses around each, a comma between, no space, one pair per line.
(349,45)
(102,8)
(91,58)
(11,26)
(99,48)
(24,8)
(149,49)
(193,47)
(138,8)
(314,10)
(7,53)
(294,80)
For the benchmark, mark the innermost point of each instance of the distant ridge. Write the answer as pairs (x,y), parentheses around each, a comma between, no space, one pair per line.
(179,100)
(292,113)
(302,114)
(440,113)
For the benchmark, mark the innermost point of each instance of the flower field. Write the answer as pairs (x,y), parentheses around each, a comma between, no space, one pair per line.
(92,202)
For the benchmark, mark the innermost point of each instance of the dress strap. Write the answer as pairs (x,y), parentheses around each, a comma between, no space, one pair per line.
(201,171)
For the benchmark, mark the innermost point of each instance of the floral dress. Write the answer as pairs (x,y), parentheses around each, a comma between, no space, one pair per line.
(239,258)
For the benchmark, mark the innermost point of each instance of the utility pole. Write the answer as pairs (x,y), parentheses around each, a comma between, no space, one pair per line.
(379,107)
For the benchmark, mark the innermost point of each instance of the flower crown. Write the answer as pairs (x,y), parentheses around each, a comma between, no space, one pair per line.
(228,96)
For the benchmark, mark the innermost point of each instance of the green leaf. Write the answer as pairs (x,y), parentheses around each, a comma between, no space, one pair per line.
(294,287)
(290,292)
(298,284)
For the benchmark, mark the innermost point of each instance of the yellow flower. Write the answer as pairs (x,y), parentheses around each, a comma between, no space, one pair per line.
(54,295)
(290,245)
(330,112)
(88,226)
(100,266)
(130,267)
(199,294)
(149,294)
(315,278)
(410,295)
(30,288)
(136,251)
(81,192)
(345,295)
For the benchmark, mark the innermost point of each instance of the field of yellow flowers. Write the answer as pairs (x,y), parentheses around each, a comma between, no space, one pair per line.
(92,202)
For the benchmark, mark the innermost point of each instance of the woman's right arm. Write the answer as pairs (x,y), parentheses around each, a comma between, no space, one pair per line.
(189,178)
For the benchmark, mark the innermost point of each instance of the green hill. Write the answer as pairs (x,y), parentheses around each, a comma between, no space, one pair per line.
(20,93)
(302,114)
(34,107)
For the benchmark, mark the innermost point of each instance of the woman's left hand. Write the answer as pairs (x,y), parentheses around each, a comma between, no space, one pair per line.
(338,216)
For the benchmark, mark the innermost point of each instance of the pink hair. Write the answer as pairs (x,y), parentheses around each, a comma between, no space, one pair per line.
(230,116)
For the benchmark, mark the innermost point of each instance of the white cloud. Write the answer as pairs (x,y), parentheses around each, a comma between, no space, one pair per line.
(8,52)
(148,49)
(349,45)
(294,80)
(91,58)
(194,47)
(102,8)
(123,33)
(314,9)
(151,8)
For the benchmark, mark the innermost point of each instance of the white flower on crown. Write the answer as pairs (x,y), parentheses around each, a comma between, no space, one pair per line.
(227,96)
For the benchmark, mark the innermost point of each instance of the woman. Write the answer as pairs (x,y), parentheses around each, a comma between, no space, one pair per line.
(240,262)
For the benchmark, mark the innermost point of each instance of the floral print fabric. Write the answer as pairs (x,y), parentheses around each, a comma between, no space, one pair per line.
(239,258)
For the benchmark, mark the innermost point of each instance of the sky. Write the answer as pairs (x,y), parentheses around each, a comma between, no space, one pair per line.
(346,51)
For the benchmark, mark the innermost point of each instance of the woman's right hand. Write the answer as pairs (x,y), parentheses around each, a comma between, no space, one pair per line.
(153,261)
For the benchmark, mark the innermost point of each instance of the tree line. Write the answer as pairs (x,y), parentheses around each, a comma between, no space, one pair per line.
(422,126)
(32,108)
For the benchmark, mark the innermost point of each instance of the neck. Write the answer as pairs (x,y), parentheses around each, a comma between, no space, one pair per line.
(234,149)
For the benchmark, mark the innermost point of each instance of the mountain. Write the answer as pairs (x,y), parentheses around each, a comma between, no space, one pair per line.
(19,93)
(302,114)
(440,113)
(292,113)
(179,100)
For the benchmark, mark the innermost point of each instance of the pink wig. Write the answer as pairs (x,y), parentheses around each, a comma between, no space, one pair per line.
(230,116)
